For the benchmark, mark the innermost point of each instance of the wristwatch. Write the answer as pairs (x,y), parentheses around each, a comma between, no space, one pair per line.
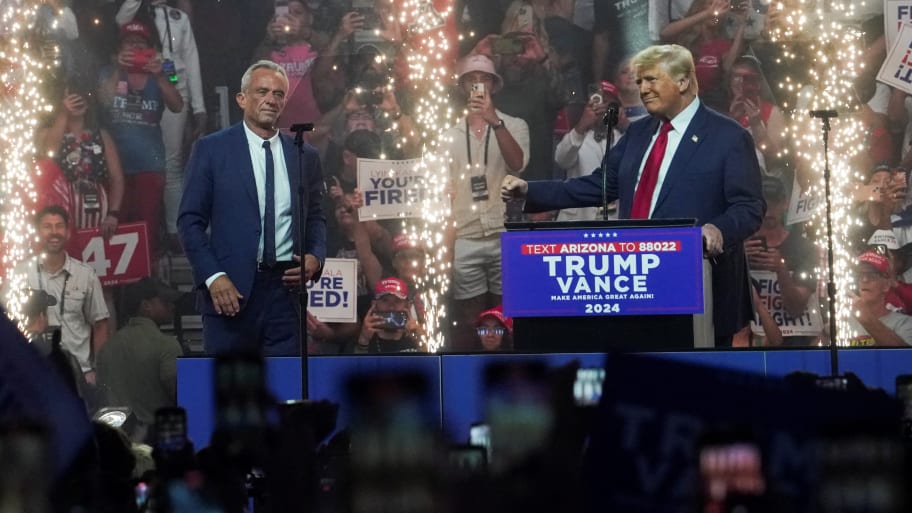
(498,125)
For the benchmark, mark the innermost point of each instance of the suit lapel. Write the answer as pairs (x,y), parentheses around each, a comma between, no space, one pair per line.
(693,137)
(630,168)
(239,153)
(294,180)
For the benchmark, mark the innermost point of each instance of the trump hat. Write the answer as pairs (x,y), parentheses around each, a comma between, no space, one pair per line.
(136,28)
(393,286)
(496,313)
(875,260)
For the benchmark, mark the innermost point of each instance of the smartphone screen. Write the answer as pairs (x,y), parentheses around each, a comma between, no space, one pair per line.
(480,436)
(595,93)
(587,389)
(478,90)
(281,8)
(837,383)
(170,429)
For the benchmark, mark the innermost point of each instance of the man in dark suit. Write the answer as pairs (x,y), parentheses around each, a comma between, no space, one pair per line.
(684,161)
(242,185)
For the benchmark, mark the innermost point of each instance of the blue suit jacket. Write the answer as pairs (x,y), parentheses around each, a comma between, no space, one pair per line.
(220,195)
(714,177)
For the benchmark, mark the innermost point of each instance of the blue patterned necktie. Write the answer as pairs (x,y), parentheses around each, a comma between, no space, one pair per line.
(269,247)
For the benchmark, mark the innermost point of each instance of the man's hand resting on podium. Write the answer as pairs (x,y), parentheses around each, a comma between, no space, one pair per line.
(712,240)
(513,188)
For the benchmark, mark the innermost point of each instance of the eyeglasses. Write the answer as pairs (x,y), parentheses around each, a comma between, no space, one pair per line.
(490,331)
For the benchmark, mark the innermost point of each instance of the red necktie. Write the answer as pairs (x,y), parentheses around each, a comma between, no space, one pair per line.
(642,199)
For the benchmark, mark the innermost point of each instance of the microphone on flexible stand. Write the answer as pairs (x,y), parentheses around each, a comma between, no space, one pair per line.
(610,120)
(611,115)
(299,129)
(303,192)
(824,114)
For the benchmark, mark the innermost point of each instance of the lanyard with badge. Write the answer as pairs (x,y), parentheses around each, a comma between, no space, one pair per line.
(478,183)
(168,67)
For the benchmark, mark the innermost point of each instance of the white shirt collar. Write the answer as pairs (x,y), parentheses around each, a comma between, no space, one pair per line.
(255,140)
(683,119)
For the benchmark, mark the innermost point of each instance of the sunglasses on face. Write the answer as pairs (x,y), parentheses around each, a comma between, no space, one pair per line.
(490,331)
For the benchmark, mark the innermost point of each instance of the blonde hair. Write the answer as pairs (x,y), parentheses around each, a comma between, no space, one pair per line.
(676,60)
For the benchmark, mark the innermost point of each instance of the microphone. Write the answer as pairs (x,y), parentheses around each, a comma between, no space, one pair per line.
(302,127)
(299,129)
(611,115)
(823,114)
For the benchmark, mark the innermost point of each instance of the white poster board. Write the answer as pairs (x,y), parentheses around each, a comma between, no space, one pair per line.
(896,14)
(897,67)
(334,296)
(391,188)
(801,205)
(809,323)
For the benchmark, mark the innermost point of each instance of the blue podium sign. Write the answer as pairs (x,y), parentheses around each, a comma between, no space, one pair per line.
(602,271)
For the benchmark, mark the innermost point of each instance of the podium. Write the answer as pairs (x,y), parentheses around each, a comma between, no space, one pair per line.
(596,286)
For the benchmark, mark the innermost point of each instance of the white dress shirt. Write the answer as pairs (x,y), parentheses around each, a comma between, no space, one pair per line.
(679,127)
(282,188)
(283,237)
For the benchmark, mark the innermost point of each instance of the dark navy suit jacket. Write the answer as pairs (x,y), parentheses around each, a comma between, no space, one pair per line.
(714,177)
(220,195)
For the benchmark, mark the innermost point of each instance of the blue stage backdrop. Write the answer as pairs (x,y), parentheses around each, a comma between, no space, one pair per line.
(456,388)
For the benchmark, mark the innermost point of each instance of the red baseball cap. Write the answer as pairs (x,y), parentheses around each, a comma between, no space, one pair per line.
(609,88)
(393,286)
(875,260)
(497,313)
(402,241)
(136,28)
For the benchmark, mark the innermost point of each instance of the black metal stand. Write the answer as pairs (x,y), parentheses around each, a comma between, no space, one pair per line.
(610,120)
(825,116)
(299,129)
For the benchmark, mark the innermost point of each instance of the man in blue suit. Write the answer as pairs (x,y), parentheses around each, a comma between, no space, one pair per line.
(242,185)
(684,161)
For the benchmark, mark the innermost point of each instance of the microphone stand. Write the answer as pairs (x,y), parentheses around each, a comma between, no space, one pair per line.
(610,120)
(299,129)
(825,116)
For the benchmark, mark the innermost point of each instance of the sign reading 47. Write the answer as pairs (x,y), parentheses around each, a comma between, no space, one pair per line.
(122,259)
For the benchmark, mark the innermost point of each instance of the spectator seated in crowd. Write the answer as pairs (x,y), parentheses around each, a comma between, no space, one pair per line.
(137,368)
(624,79)
(582,149)
(495,330)
(784,261)
(750,105)
(409,265)
(702,32)
(388,327)
(885,242)
(883,194)
(873,324)
(287,43)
